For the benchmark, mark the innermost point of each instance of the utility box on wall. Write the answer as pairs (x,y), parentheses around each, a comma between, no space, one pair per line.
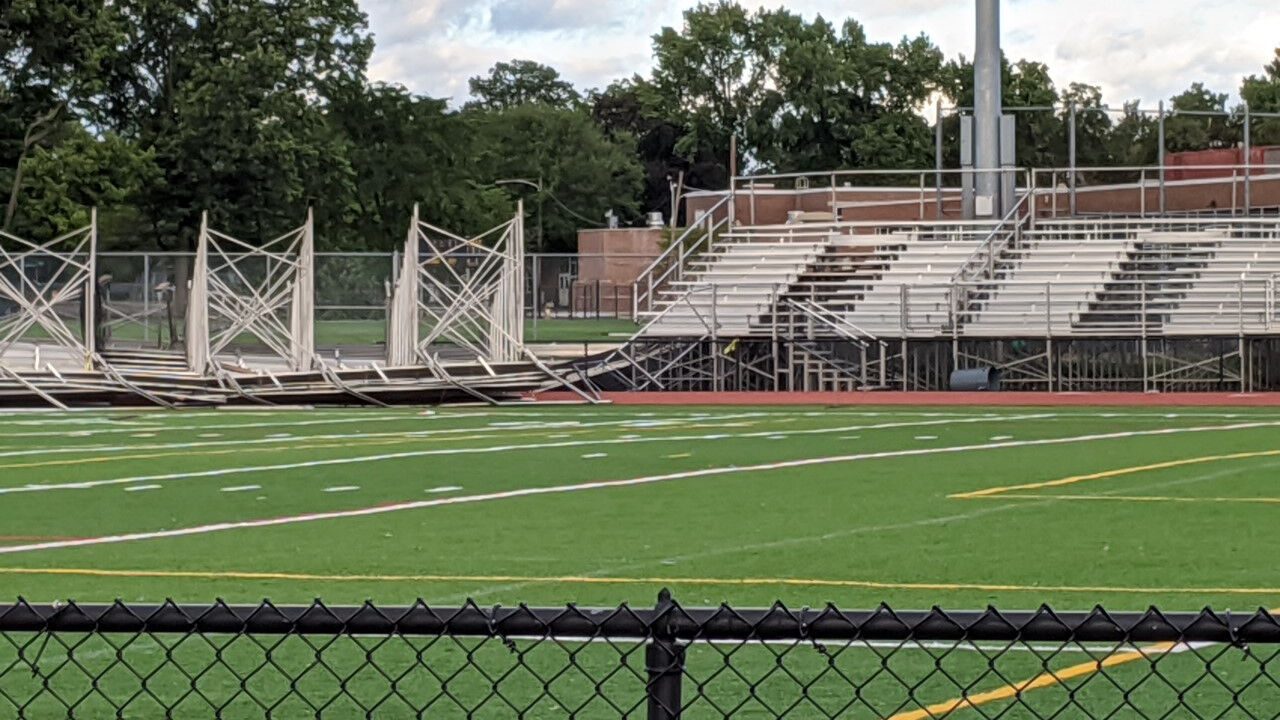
(987,206)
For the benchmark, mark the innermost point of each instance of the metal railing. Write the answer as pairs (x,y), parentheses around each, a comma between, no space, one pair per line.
(982,262)
(669,662)
(671,264)
(937,192)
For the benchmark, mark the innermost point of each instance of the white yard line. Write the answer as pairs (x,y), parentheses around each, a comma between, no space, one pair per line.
(237,426)
(221,472)
(78,421)
(276,440)
(505,427)
(597,485)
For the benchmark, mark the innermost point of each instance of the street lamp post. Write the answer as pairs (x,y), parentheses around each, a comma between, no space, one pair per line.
(536,185)
(536,280)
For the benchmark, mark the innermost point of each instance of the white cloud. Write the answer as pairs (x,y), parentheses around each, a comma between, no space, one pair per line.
(1147,49)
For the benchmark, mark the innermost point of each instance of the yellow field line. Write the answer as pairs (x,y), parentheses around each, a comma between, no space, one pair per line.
(1049,678)
(988,492)
(1136,498)
(591,580)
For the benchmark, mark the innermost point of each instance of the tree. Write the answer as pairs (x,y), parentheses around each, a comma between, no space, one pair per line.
(519,82)
(404,149)
(53,56)
(707,79)
(1093,124)
(1135,138)
(836,100)
(622,114)
(1199,132)
(798,95)
(583,173)
(1041,139)
(1041,134)
(231,97)
(64,182)
(1262,93)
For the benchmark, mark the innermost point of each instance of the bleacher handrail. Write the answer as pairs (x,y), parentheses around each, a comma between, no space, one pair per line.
(642,300)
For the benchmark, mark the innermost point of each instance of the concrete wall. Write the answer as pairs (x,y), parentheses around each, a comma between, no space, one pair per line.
(770,207)
(1183,196)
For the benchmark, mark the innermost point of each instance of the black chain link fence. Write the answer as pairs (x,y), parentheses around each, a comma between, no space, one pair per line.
(268,661)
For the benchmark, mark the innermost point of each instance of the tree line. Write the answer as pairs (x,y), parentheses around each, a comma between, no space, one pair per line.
(154,111)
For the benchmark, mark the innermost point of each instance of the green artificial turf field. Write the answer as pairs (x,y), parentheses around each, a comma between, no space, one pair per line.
(956,507)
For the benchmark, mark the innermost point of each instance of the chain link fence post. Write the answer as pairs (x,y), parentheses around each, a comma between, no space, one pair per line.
(664,662)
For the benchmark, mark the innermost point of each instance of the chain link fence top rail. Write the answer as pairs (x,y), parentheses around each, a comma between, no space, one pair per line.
(268,661)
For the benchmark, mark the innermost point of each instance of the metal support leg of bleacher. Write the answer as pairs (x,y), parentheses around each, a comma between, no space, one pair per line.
(267,291)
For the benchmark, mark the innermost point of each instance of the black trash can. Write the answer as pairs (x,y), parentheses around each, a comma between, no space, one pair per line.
(984,378)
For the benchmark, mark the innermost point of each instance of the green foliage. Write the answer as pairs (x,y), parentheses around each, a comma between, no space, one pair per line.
(404,149)
(63,182)
(625,110)
(838,101)
(54,54)
(582,173)
(1197,132)
(521,82)
(1262,92)
(232,96)
(1093,125)
(708,76)
(1041,135)
(799,95)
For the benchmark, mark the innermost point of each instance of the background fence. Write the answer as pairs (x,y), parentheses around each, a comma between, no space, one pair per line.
(663,663)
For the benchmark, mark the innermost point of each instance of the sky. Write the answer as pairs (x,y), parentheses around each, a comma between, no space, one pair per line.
(1133,49)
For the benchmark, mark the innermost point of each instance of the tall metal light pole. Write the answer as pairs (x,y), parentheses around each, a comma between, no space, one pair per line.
(987,109)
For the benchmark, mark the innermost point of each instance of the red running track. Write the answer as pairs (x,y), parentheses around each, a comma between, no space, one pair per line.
(1009,399)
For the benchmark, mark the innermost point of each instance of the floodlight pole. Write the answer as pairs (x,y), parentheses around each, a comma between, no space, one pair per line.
(987,110)
(1071,158)
(1248,161)
(1160,154)
(937,161)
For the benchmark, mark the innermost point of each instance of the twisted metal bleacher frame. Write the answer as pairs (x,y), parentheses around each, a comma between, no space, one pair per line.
(480,309)
(264,295)
(254,306)
(662,663)
(36,303)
